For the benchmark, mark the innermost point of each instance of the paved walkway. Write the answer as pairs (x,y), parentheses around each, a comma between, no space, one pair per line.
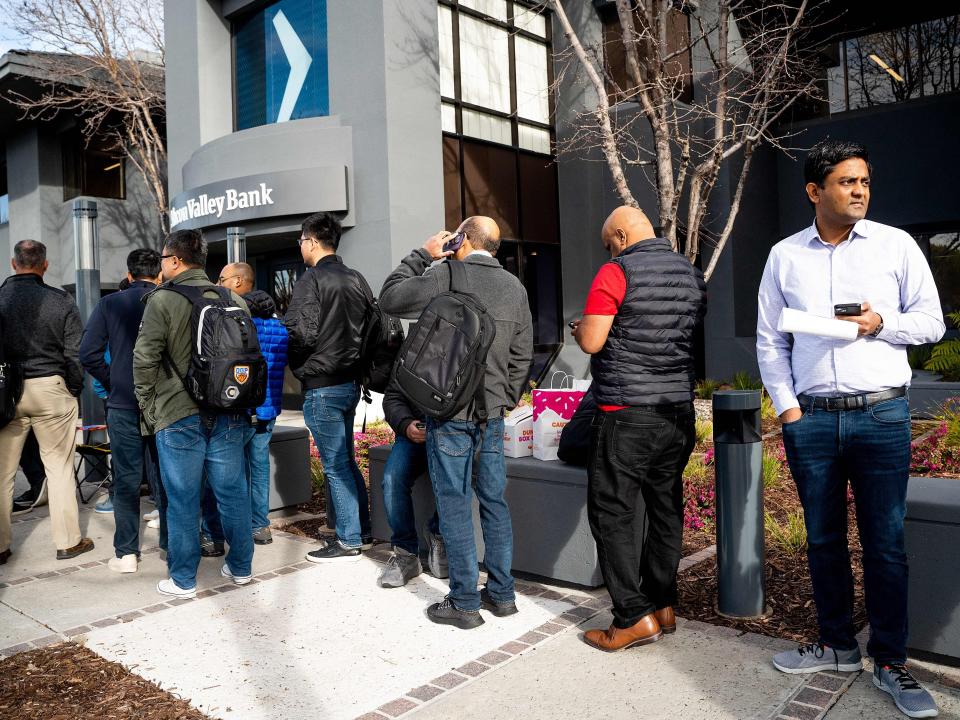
(323,641)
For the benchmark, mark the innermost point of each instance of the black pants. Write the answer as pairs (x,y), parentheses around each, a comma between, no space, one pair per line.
(32,465)
(635,503)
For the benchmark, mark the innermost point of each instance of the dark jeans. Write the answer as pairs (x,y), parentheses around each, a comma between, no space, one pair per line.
(635,489)
(328,412)
(871,449)
(407,462)
(151,469)
(451,446)
(126,463)
(188,449)
(32,465)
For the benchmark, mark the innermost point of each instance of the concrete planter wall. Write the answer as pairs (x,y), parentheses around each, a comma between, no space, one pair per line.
(928,393)
(932,535)
(548,506)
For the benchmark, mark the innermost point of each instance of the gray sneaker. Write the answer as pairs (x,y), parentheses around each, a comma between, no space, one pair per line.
(401,568)
(437,559)
(262,536)
(815,657)
(907,693)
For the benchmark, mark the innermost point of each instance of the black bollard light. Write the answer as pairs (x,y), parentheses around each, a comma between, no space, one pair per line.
(86,241)
(236,245)
(739,490)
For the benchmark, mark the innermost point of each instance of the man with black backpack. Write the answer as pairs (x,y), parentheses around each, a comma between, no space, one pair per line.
(197,368)
(326,320)
(463,305)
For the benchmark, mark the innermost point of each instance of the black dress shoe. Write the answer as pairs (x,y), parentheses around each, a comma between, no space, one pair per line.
(500,609)
(85,545)
(210,547)
(446,613)
(4,556)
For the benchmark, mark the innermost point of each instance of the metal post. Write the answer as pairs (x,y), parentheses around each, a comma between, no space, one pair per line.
(236,245)
(740,548)
(87,252)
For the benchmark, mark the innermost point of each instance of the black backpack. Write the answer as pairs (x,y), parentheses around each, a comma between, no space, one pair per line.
(11,386)
(442,364)
(382,338)
(227,372)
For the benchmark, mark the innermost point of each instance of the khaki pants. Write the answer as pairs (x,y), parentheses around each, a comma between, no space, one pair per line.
(52,411)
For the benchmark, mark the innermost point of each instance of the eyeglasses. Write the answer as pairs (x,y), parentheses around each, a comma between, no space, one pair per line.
(221,280)
(302,240)
(165,257)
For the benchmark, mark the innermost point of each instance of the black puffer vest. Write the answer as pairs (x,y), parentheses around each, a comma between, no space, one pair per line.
(648,356)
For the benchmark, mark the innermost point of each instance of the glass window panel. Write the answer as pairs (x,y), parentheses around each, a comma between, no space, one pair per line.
(538,199)
(445,21)
(484,64)
(534,139)
(4,209)
(530,21)
(490,185)
(448,117)
(486,127)
(541,278)
(945,265)
(532,80)
(493,8)
(453,211)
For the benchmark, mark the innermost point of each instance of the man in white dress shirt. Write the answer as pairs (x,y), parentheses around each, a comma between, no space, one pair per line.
(844,409)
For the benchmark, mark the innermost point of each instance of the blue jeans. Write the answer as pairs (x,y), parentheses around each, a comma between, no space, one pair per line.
(870,448)
(407,462)
(188,450)
(328,412)
(256,449)
(127,466)
(451,446)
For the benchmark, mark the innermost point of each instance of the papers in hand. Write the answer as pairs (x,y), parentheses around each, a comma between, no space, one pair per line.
(799,322)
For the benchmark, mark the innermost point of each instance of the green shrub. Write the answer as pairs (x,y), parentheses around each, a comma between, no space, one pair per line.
(949,414)
(745,381)
(316,474)
(791,535)
(696,469)
(704,430)
(945,355)
(772,465)
(706,388)
(767,410)
(918,355)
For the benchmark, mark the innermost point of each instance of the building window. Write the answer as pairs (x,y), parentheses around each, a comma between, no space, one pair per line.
(942,250)
(495,75)
(4,194)
(679,67)
(91,167)
(280,63)
(897,65)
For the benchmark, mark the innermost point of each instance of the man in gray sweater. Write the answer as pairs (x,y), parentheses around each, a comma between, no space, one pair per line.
(451,444)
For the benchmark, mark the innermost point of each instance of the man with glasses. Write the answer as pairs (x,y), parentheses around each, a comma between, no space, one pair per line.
(190,443)
(326,321)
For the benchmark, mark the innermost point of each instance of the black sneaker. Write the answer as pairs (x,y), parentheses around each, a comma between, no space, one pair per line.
(446,613)
(366,542)
(500,609)
(334,551)
(27,501)
(210,547)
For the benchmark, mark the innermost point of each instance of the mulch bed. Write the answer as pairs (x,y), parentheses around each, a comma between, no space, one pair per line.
(69,682)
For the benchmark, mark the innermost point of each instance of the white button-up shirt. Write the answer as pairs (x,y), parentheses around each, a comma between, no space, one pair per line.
(878,264)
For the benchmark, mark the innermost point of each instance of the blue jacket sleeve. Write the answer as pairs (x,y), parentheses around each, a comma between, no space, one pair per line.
(93,348)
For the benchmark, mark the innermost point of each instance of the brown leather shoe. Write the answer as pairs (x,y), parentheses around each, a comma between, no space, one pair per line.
(85,545)
(667,620)
(646,630)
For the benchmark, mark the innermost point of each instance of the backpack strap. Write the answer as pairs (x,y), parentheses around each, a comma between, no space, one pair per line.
(195,293)
(459,282)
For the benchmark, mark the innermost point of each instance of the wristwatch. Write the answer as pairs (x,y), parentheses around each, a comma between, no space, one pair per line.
(879,327)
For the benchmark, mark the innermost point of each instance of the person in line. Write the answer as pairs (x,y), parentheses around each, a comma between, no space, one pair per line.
(239,277)
(844,410)
(638,326)
(41,332)
(326,320)
(190,442)
(451,444)
(407,462)
(32,465)
(115,321)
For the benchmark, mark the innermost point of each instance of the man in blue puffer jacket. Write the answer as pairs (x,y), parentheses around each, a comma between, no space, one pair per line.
(239,278)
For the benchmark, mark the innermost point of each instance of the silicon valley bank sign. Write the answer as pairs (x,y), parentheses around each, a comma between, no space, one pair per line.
(255,197)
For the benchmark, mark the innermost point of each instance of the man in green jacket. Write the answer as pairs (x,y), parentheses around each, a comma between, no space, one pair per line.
(190,443)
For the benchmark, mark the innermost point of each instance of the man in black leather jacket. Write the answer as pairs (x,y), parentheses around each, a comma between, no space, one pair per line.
(325,321)
(41,332)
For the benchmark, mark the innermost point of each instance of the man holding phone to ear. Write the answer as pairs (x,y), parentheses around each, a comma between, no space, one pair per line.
(844,409)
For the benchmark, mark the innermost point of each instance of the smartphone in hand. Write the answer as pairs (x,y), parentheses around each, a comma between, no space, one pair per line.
(454,243)
(847,309)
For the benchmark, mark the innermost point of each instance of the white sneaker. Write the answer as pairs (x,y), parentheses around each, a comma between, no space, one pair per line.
(169,587)
(153,524)
(152,515)
(125,564)
(237,579)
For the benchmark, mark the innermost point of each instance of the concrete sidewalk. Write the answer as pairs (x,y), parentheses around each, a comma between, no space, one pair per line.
(323,641)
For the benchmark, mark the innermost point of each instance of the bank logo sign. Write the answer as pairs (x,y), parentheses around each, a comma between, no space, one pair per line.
(278,194)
